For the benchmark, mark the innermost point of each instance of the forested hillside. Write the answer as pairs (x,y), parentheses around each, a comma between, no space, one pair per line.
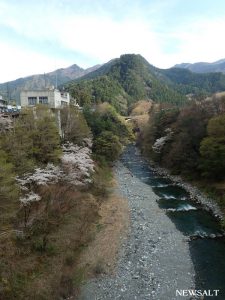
(52,187)
(187,82)
(123,82)
(189,141)
(131,78)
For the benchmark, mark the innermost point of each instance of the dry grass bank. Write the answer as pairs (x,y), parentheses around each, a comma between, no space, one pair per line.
(101,254)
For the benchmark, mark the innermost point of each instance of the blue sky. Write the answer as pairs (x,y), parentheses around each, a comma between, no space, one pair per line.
(40,36)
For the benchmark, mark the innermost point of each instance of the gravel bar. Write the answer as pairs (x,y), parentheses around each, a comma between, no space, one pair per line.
(154,260)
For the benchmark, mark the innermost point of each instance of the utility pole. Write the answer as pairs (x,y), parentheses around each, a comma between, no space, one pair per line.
(8,92)
(56,80)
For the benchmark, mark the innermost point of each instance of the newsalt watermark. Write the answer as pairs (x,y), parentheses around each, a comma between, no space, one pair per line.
(197,293)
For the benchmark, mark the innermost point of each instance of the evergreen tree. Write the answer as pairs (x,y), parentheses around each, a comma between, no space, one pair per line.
(74,125)
(107,145)
(18,143)
(33,140)
(46,140)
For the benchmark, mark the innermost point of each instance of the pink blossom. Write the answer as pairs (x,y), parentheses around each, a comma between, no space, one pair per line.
(77,164)
(76,168)
(29,198)
(160,143)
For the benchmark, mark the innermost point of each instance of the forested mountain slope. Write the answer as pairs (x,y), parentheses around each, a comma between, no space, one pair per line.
(130,78)
(188,82)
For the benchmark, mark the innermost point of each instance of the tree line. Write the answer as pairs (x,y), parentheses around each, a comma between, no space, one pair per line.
(189,141)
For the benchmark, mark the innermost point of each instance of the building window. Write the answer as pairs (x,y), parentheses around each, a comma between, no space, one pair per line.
(32,100)
(43,100)
(63,103)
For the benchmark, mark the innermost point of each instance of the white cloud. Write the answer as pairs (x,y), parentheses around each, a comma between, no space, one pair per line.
(200,40)
(90,34)
(104,39)
(99,36)
(17,62)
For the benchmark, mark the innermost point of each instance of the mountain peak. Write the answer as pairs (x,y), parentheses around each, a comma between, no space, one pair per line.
(13,88)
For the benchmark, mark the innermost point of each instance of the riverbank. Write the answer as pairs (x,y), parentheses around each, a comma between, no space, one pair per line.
(100,257)
(154,261)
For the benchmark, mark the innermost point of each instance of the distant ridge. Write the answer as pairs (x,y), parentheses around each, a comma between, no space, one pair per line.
(40,81)
(204,67)
(125,80)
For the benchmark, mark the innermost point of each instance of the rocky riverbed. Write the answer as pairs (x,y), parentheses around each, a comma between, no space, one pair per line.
(154,260)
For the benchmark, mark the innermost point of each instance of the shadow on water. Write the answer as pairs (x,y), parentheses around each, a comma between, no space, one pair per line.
(158,182)
(195,222)
(208,257)
(207,252)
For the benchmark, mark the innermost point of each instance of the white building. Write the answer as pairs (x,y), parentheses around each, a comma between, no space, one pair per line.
(51,97)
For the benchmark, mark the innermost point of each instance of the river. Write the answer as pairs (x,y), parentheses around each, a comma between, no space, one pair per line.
(173,243)
(207,252)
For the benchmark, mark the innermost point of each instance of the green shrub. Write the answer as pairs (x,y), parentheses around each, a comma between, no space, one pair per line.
(212,149)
